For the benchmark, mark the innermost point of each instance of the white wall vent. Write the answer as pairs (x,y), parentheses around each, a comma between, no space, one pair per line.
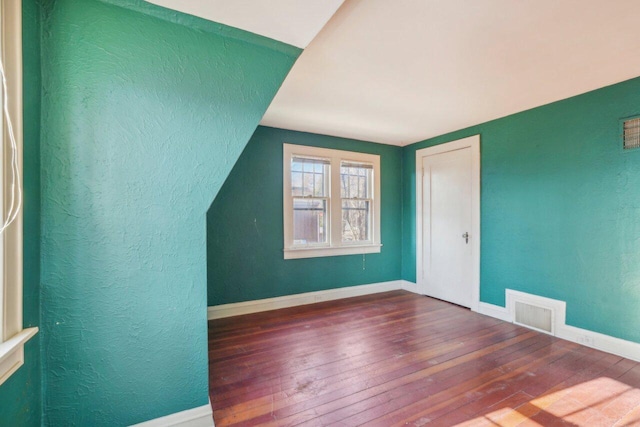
(535,312)
(631,133)
(533,316)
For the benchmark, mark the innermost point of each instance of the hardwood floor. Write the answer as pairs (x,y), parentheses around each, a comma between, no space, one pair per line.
(398,358)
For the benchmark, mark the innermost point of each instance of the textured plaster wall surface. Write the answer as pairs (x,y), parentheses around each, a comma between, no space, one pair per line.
(560,208)
(245,259)
(20,395)
(143,117)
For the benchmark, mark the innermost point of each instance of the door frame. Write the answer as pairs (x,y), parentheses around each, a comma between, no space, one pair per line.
(472,142)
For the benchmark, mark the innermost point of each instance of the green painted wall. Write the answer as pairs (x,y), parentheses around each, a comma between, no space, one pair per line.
(20,395)
(245,231)
(144,112)
(560,208)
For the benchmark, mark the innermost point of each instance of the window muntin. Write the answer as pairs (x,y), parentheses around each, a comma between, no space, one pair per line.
(331,202)
(310,177)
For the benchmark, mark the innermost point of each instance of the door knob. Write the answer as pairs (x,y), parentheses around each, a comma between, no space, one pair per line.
(465,236)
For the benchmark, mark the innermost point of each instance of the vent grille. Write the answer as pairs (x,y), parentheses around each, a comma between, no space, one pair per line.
(533,316)
(631,133)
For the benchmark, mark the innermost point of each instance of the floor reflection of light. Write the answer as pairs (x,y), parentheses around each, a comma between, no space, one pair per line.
(599,402)
(348,345)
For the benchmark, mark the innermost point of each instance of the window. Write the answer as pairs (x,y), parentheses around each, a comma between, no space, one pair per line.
(356,194)
(12,336)
(310,192)
(331,202)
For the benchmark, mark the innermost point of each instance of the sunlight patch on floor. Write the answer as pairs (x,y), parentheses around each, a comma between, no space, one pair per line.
(599,402)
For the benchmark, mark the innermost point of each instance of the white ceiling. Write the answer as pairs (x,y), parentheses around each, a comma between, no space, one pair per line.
(402,71)
(294,22)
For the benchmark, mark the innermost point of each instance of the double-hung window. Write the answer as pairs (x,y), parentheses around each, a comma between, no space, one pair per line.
(12,334)
(331,202)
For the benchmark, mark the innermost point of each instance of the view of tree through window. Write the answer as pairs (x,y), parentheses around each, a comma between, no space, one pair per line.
(331,203)
(356,191)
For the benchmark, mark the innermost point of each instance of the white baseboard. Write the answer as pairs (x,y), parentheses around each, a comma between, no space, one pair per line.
(606,343)
(201,416)
(494,311)
(409,286)
(247,307)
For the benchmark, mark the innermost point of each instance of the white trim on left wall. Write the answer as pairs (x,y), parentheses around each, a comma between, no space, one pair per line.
(257,306)
(202,416)
(12,335)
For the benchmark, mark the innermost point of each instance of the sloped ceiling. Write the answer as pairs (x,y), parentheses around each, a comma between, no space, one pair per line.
(294,22)
(398,72)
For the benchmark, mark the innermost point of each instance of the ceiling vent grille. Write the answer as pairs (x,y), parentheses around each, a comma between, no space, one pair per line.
(631,133)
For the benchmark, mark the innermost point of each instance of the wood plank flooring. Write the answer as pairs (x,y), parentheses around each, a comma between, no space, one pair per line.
(397,358)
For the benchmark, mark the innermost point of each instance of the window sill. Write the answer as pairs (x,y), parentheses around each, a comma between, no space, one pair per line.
(12,353)
(331,251)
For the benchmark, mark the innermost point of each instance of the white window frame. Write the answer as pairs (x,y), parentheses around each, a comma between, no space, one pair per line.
(335,246)
(12,335)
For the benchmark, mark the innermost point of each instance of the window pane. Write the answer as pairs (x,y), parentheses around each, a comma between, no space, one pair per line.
(309,177)
(318,186)
(296,184)
(355,180)
(309,221)
(356,218)
(308,184)
(307,165)
(344,182)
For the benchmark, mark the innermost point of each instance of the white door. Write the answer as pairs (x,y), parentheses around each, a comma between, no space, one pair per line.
(447,219)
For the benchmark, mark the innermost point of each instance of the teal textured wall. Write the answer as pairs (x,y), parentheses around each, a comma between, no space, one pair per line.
(245,231)
(21,395)
(560,208)
(144,113)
